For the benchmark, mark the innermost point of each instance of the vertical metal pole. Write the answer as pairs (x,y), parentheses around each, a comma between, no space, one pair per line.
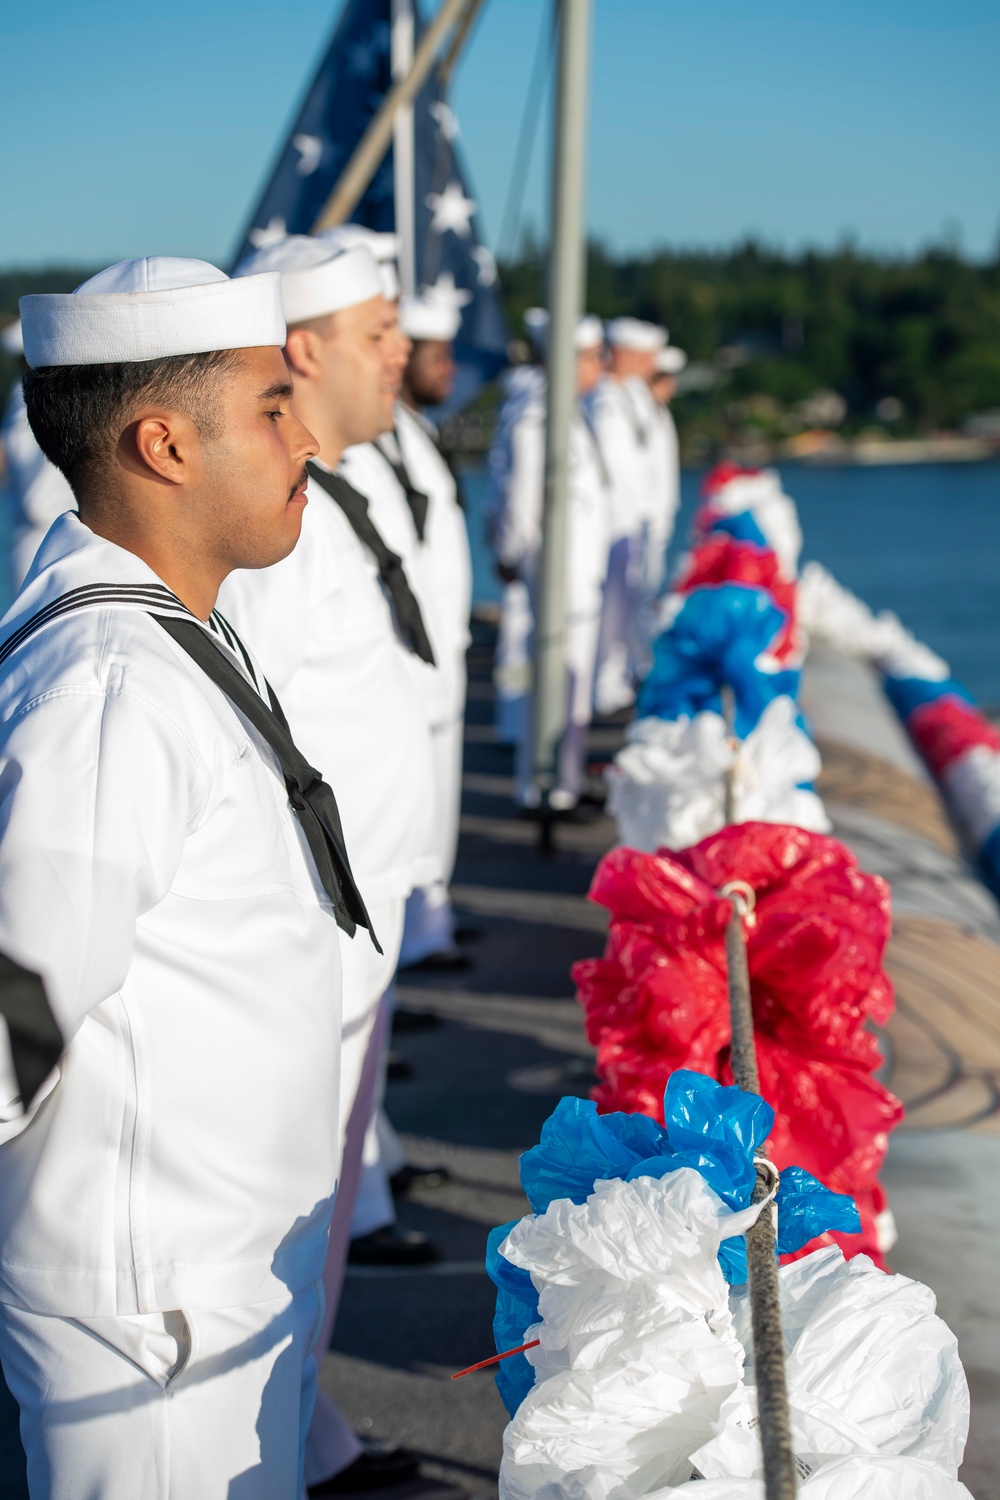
(403,160)
(565,298)
(728,699)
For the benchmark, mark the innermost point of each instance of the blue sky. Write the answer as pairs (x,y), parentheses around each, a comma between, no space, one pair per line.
(130,130)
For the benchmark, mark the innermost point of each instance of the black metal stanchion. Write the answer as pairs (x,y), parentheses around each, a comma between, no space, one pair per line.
(728,701)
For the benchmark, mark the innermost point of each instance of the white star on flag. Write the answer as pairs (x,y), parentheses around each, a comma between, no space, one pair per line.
(445,293)
(487,265)
(310,149)
(273,232)
(446,121)
(451,210)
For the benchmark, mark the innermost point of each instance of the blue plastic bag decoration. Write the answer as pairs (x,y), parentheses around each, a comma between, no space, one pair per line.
(742,527)
(713,1128)
(716,638)
(909,693)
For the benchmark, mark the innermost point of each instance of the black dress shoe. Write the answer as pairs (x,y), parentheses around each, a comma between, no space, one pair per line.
(594,797)
(410,1176)
(397,1066)
(468,932)
(378,1467)
(450,961)
(405,1019)
(580,812)
(392,1246)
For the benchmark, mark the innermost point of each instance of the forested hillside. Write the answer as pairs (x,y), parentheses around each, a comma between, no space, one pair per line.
(911,345)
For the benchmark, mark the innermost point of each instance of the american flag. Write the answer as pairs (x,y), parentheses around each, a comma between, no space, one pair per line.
(452,261)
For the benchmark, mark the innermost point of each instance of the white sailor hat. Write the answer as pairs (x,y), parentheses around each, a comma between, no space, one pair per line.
(11,339)
(589,332)
(152,308)
(670,360)
(633,333)
(384,247)
(423,318)
(316,279)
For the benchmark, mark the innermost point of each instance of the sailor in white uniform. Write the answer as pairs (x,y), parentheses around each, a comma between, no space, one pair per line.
(644,503)
(421,519)
(443,579)
(428,932)
(670,361)
(35,492)
(334,625)
(511,658)
(173,868)
(384,246)
(518,544)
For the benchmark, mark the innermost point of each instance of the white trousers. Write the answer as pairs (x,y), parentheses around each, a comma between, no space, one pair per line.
(430,924)
(512,662)
(331,1444)
(165,1406)
(366,977)
(582,628)
(616,646)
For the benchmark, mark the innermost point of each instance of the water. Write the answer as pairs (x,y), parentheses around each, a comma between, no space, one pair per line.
(922,540)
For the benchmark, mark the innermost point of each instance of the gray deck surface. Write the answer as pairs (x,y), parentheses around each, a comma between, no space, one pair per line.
(509,1045)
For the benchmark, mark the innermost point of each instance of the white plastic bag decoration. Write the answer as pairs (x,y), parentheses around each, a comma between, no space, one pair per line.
(868,1478)
(831,614)
(638,1350)
(871,1370)
(666,784)
(644,1372)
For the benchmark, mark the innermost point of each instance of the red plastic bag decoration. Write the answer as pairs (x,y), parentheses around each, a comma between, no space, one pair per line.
(658,999)
(947,728)
(722,474)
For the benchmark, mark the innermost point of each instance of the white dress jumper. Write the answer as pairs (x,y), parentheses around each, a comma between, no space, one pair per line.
(518,540)
(164,1206)
(644,496)
(323,629)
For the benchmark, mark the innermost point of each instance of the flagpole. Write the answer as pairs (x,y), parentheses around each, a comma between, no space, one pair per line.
(461,37)
(373,145)
(565,298)
(403,155)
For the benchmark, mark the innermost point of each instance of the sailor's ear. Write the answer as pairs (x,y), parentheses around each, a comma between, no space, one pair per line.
(162,444)
(303,352)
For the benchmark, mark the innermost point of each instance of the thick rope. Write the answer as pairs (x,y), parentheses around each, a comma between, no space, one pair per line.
(775,1424)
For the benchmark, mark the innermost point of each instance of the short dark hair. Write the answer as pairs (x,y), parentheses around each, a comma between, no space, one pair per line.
(78,412)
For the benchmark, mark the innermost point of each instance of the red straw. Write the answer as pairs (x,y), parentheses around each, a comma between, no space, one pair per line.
(495,1358)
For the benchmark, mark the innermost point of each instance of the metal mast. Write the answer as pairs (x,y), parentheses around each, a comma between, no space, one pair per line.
(401,61)
(565,299)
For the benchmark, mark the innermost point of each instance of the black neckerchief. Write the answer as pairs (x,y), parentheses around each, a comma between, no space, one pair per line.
(588,428)
(433,432)
(409,620)
(415,499)
(36,1041)
(308,793)
(635,416)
